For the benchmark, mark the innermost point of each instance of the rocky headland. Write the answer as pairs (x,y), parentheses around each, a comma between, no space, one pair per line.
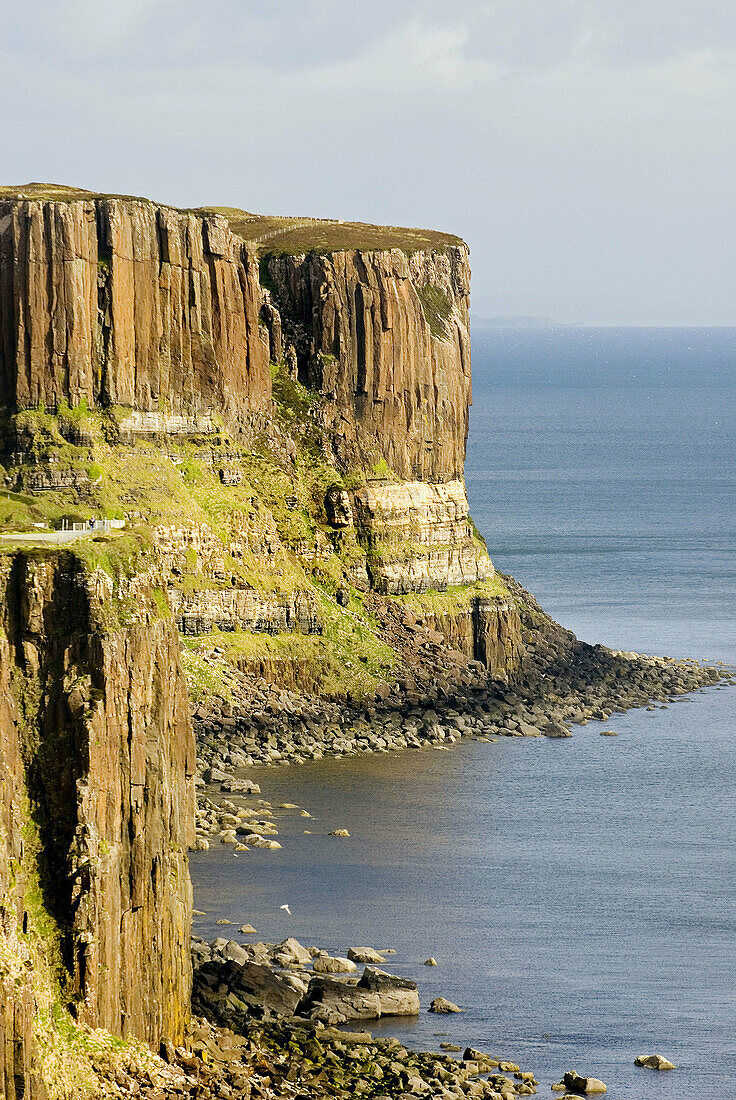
(234,532)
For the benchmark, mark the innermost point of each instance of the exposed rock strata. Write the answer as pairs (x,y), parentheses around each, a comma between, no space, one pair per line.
(119,301)
(96,777)
(398,380)
(419,536)
(244,609)
(555,681)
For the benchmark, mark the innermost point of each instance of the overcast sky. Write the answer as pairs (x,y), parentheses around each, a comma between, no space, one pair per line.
(584,148)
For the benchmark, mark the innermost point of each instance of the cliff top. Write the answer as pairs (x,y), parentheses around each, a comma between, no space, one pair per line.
(270,234)
(288,236)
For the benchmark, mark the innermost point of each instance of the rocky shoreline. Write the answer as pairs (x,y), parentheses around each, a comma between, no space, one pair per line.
(289,998)
(283,1002)
(554,690)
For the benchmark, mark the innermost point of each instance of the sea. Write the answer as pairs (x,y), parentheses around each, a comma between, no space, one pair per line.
(579,896)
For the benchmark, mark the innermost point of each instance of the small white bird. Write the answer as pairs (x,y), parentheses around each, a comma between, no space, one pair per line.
(286,907)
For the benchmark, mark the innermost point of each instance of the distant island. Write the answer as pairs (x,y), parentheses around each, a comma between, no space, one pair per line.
(522,322)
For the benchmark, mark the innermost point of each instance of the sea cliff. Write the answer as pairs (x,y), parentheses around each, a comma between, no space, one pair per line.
(251,431)
(97,769)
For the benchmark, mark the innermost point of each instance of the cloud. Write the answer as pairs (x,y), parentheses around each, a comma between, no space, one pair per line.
(562,137)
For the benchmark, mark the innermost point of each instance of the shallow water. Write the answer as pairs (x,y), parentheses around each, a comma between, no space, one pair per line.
(578,895)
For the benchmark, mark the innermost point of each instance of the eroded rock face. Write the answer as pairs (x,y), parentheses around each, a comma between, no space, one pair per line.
(245,609)
(337,506)
(124,302)
(97,767)
(385,337)
(419,536)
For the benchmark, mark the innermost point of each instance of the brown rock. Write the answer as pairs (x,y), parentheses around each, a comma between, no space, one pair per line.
(115,774)
(398,374)
(122,301)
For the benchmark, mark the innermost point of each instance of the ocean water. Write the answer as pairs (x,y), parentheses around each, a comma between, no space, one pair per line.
(579,895)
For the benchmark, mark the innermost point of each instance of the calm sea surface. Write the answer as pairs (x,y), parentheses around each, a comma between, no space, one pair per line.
(580,895)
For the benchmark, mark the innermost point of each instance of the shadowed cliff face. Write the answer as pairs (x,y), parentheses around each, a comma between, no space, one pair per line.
(385,336)
(121,302)
(97,800)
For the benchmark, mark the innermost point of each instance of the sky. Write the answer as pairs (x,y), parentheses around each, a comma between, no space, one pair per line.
(585,149)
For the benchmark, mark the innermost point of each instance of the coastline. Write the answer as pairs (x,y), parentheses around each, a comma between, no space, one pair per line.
(560,683)
(669,680)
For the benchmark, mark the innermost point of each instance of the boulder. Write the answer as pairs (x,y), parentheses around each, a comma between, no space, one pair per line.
(255,984)
(398,996)
(333,1002)
(333,964)
(294,950)
(556,729)
(365,955)
(653,1061)
(376,994)
(253,840)
(584,1086)
(235,952)
(440,1004)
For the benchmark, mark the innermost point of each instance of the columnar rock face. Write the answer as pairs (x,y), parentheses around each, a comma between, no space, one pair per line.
(97,767)
(489,631)
(121,302)
(385,336)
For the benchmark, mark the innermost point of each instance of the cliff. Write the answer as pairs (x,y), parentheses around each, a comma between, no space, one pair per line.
(279,405)
(385,336)
(120,302)
(97,801)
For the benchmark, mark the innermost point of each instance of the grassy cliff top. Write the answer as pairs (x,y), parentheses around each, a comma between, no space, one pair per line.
(272,235)
(289,236)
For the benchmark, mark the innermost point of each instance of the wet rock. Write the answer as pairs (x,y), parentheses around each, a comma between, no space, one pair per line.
(440,1004)
(653,1061)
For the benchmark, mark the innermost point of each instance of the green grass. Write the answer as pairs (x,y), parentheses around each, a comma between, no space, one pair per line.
(437,308)
(347,656)
(320,235)
(269,532)
(454,599)
(279,236)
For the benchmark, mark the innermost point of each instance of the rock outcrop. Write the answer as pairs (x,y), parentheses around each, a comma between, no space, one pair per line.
(418,536)
(97,801)
(385,337)
(122,302)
